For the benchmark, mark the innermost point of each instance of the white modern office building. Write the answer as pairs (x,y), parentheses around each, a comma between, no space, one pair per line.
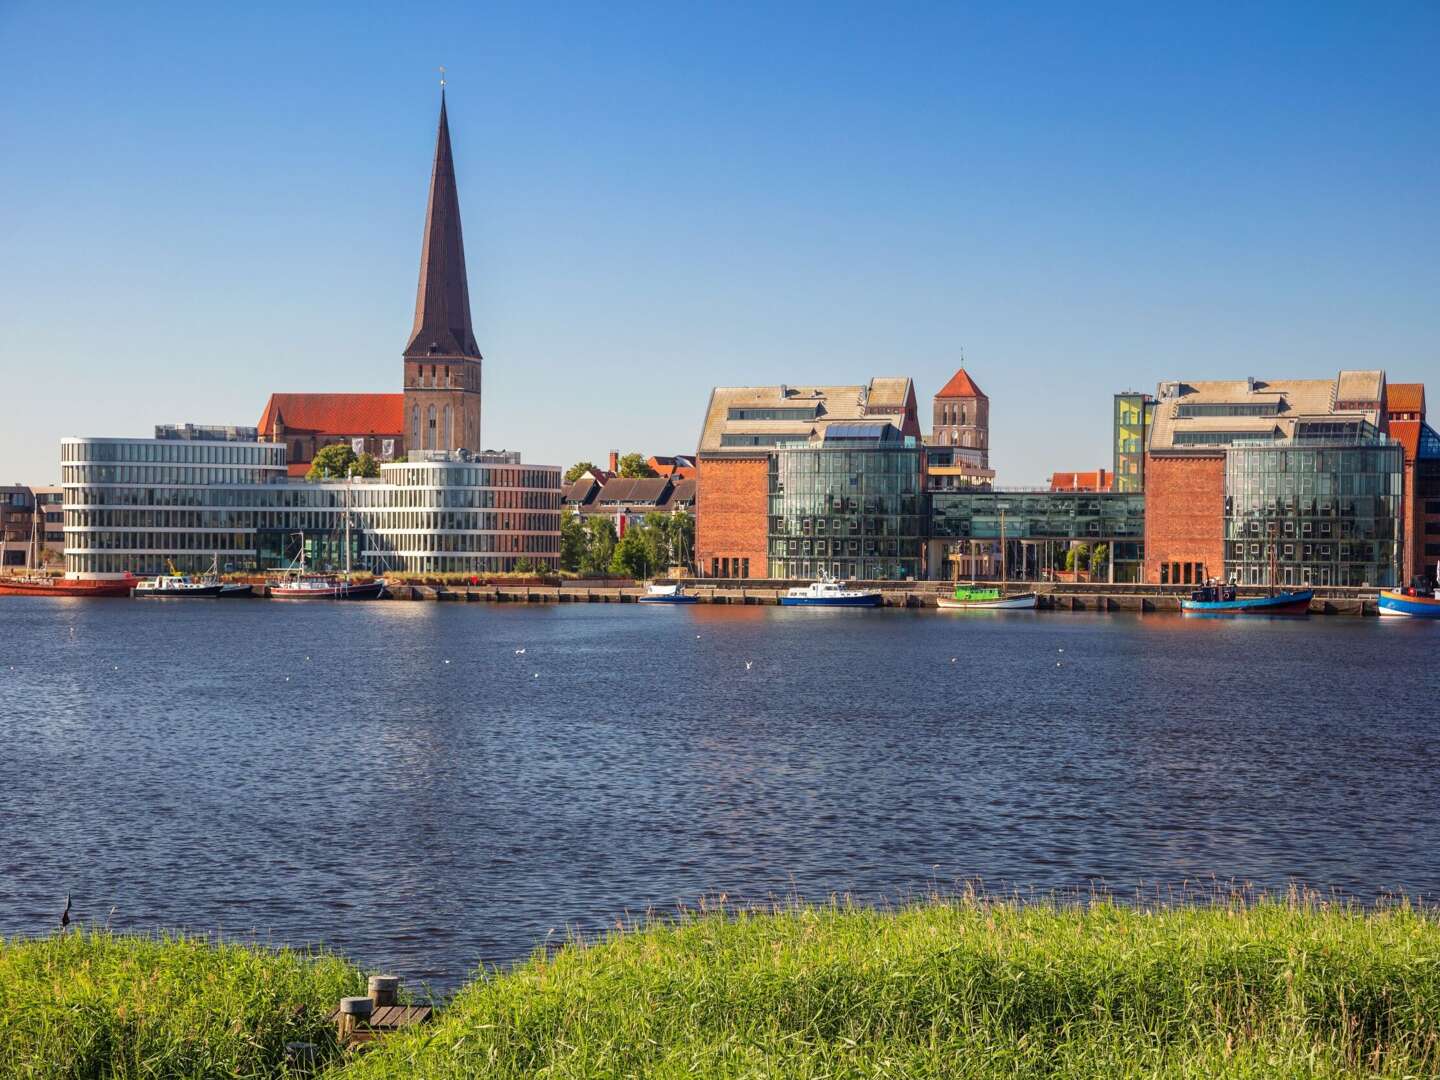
(196,495)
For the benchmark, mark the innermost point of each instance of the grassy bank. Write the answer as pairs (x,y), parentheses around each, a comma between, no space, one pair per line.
(969,988)
(93,1004)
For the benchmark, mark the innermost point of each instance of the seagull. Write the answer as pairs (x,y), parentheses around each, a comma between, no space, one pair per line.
(1062,650)
(447,661)
(537,675)
(953,659)
(65,915)
(749,664)
(519,652)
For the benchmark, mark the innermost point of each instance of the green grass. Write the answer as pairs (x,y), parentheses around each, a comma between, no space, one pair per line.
(962,988)
(95,1004)
(966,988)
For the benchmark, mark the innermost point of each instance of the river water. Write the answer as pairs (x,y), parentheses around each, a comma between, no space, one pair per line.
(397,781)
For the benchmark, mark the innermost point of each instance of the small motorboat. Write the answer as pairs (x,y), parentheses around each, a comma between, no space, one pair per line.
(830,593)
(666,594)
(178,587)
(1221,599)
(987,598)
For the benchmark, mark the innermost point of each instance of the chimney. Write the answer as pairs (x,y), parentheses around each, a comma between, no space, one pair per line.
(614,460)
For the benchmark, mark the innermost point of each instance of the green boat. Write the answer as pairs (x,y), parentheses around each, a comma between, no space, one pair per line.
(987,597)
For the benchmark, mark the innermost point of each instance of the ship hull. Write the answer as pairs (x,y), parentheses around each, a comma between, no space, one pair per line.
(68,587)
(868,600)
(1285,603)
(1021,602)
(1408,607)
(369,591)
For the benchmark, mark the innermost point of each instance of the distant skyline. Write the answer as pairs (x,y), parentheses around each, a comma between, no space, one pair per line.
(202,207)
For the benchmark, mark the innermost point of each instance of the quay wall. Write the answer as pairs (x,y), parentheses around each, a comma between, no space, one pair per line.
(1052,597)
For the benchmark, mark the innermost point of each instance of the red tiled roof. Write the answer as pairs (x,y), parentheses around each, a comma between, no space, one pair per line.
(1407,434)
(1083,481)
(337,414)
(961,386)
(296,470)
(1406,397)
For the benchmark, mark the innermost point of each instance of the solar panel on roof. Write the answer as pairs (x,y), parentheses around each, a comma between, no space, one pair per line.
(856,431)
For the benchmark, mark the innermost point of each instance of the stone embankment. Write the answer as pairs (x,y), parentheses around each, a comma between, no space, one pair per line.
(1052,597)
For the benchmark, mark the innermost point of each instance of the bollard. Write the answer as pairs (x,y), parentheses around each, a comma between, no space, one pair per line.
(384,990)
(354,1011)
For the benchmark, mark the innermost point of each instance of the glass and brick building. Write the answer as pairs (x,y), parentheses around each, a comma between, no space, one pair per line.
(746,514)
(1300,472)
(1134,415)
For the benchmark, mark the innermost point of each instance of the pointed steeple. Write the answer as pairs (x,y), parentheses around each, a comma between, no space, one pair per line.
(442,302)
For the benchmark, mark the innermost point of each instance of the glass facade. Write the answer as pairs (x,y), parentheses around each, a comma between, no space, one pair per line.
(1324,513)
(1038,528)
(139,505)
(851,510)
(1134,414)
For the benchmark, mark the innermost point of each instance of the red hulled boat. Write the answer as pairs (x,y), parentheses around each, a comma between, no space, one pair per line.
(39,585)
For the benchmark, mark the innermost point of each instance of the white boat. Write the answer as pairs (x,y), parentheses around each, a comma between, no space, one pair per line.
(178,586)
(830,593)
(979,598)
(301,583)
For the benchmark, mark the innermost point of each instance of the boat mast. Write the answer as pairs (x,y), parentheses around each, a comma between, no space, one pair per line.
(1004,573)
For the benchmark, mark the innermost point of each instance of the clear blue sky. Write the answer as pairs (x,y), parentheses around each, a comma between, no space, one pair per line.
(203,206)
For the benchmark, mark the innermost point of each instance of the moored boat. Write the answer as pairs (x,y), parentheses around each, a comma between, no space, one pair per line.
(178,586)
(324,587)
(829,593)
(39,585)
(1410,603)
(666,594)
(987,598)
(1216,599)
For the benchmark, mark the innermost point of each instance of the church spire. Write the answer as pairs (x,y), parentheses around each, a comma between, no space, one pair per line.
(442,302)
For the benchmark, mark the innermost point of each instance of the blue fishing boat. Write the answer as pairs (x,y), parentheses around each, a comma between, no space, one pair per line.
(827,593)
(1410,603)
(665,594)
(1222,600)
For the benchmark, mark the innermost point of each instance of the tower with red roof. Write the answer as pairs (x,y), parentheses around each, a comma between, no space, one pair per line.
(962,420)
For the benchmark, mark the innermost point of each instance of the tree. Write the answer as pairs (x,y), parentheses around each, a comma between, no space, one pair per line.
(579,469)
(332,462)
(1077,556)
(1099,559)
(634,554)
(633,467)
(599,546)
(572,540)
(523,565)
(366,465)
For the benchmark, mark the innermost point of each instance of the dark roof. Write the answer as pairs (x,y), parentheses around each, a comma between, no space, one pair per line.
(442,302)
(580,493)
(642,490)
(682,494)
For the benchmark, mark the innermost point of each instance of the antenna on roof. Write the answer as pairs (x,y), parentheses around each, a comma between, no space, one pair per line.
(442,78)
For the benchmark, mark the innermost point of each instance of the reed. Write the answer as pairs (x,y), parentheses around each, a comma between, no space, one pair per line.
(92,1004)
(966,986)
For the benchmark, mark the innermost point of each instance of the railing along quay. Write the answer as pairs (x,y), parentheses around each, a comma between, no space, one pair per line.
(1053,596)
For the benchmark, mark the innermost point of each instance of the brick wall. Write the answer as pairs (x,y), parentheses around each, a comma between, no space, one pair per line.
(1184,513)
(731,504)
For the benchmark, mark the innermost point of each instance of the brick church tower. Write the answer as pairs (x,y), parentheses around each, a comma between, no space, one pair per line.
(442,361)
(962,420)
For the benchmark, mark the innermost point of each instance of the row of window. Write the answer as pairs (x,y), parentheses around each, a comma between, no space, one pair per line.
(178,452)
